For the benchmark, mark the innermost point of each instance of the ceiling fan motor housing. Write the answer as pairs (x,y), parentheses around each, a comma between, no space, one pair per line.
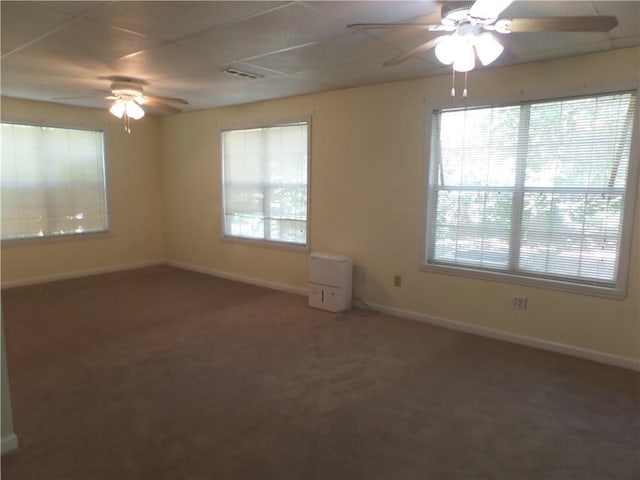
(453,12)
(126,89)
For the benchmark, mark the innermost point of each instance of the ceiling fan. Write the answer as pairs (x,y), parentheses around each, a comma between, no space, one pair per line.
(128,98)
(471,28)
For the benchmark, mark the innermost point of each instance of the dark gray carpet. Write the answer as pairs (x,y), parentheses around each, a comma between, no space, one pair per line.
(161,373)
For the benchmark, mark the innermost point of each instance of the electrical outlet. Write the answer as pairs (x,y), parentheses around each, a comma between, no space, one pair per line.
(519,303)
(397,281)
(363,275)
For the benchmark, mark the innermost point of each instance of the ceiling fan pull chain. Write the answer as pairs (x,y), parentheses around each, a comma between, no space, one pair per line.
(453,83)
(464,92)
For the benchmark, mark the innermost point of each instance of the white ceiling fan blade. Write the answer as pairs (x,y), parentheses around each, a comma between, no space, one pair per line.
(166,99)
(488,9)
(602,23)
(154,103)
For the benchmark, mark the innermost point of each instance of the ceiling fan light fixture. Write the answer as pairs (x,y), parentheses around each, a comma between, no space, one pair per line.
(128,99)
(487,48)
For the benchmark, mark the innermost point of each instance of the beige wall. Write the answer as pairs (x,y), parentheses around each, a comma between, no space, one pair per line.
(135,205)
(367,177)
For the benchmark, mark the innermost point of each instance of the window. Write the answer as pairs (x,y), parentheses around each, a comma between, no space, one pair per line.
(534,192)
(265,183)
(52,180)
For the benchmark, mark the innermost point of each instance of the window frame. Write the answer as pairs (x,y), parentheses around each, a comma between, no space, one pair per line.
(428,212)
(263,242)
(31,240)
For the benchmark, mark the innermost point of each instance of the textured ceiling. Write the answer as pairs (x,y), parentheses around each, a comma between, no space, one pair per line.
(66,52)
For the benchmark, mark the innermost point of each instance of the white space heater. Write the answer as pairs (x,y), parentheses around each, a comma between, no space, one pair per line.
(330,282)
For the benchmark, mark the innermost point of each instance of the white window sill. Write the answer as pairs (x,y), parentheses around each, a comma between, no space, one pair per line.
(617,293)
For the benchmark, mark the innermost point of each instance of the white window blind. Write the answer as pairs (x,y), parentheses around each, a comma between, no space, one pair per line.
(535,189)
(265,183)
(52,181)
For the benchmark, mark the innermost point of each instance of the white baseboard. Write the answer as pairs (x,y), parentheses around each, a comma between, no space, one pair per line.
(79,273)
(9,443)
(240,278)
(615,360)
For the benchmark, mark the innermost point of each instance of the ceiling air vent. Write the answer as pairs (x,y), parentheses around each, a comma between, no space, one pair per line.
(241,73)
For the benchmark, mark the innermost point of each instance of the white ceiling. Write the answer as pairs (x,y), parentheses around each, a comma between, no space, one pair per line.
(66,52)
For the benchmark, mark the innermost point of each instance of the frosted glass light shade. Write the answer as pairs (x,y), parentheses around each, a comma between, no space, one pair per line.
(465,58)
(134,110)
(447,49)
(117,109)
(487,48)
